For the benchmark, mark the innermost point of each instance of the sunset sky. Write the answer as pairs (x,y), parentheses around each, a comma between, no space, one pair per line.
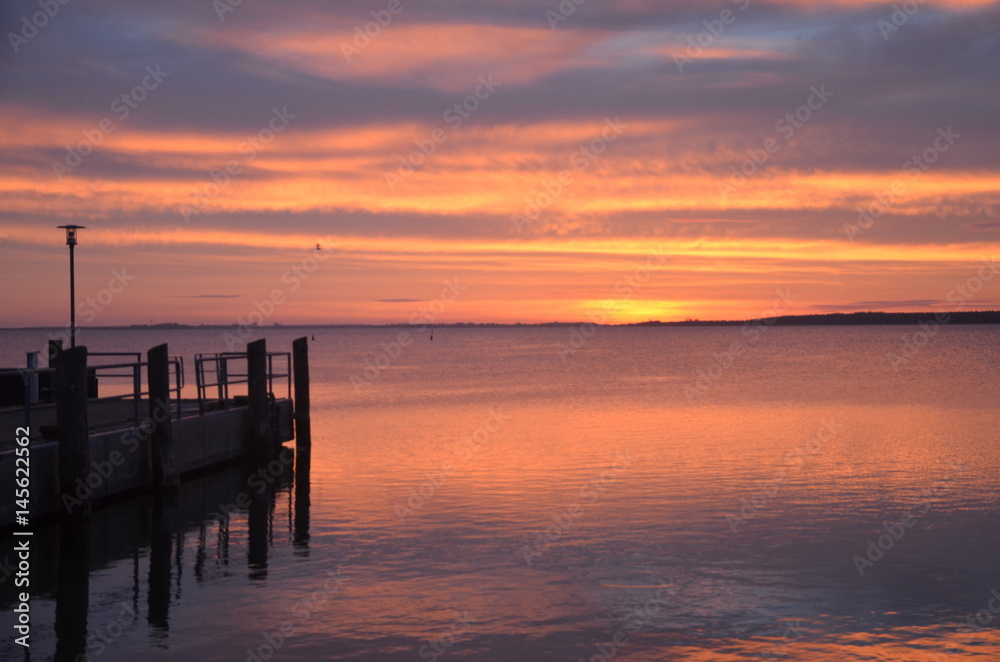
(543,158)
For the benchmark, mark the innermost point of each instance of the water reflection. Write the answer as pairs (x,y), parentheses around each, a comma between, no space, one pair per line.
(73,598)
(301,537)
(781,585)
(160,526)
(201,552)
(259,522)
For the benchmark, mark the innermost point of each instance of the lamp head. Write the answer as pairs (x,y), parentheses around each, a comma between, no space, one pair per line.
(71,233)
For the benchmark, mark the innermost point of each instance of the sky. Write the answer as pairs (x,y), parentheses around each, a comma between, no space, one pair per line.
(507,161)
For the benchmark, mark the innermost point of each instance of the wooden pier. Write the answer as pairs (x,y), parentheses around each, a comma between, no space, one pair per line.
(86,450)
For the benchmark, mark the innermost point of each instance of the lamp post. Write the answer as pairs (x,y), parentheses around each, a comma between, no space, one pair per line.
(71,242)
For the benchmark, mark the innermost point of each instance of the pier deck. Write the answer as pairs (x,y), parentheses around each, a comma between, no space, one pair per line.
(125,446)
(103,417)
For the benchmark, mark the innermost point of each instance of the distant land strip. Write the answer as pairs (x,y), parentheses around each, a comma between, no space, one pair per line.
(824,319)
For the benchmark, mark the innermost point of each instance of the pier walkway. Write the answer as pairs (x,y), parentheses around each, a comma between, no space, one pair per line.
(86,448)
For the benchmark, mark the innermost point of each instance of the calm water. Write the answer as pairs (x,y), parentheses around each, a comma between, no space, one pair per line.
(482,498)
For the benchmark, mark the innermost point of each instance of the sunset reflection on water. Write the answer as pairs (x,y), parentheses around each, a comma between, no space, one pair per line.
(483,499)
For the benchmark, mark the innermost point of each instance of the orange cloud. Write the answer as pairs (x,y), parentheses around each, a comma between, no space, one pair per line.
(444,56)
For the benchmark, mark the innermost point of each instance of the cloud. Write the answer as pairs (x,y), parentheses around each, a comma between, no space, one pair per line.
(535,141)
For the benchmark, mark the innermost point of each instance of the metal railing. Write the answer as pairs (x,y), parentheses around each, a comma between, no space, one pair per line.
(39,406)
(12,417)
(133,372)
(215,372)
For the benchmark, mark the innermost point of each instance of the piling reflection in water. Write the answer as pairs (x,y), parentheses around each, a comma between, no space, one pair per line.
(161,524)
(164,514)
(259,523)
(201,553)
(781,583)
(303,460)
(73,596)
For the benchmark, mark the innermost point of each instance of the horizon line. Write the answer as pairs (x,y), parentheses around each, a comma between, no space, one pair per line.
(687,322)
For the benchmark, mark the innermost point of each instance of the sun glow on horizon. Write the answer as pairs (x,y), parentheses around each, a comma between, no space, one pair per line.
(477,149)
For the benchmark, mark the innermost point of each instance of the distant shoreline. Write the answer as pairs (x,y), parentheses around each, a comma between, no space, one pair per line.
(825,319)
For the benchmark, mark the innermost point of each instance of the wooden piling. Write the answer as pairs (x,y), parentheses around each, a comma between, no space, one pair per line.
(71,423)
(300,363)
(259,414)
(31,381)
(55,347)
(165,476)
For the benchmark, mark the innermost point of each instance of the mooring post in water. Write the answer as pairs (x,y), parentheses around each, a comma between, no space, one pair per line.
(259,414)
(71,422)
(300,361)
(161,439)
